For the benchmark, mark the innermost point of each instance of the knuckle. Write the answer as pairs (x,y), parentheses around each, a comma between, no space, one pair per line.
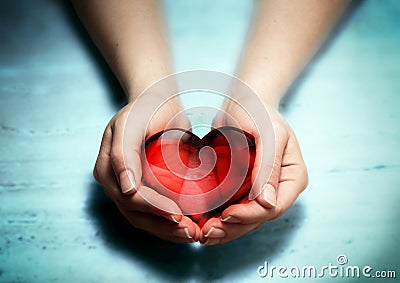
(275,173)
(146,207)
(119,121)
(116,157)
(279,211)
(304,179)
(96,174)
(107,131)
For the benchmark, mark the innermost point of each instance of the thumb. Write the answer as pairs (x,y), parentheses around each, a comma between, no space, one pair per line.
(267,170)
(126,152)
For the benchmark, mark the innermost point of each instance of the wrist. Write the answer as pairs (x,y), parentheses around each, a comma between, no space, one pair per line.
(136,86)
(269,94)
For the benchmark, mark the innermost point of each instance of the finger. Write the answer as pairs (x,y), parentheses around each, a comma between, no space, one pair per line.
(103,171)
(291,187)
(217,232)
(185,231)
(104,174)
(149,201)
(107,178)
(103,156)
(293,163)
(233,232)
(126,151)
(293,180)
(254,212)
(249,213)
(144,200)
(267,165)
(212,229)
(294,176)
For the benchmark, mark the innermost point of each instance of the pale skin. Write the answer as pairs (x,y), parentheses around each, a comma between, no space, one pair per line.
(132,38)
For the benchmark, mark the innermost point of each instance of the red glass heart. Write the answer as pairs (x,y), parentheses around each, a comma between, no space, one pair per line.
(203,176)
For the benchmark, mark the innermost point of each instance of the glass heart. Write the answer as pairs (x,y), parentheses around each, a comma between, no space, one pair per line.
(202,175)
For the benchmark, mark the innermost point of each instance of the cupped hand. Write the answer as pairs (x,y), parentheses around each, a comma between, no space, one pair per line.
(119,171)
(277,192)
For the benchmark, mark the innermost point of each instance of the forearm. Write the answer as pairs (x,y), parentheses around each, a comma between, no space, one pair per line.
(131,36)
(284,37)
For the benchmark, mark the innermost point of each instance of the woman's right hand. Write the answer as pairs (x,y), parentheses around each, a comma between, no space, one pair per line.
(131,36)
(120,173)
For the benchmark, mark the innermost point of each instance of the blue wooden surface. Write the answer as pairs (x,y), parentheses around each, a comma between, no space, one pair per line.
(56,96)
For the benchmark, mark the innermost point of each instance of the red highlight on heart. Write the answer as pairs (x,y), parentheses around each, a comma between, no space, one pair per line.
(203,176)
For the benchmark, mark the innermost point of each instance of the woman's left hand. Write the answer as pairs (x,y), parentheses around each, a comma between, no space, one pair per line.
(288,179)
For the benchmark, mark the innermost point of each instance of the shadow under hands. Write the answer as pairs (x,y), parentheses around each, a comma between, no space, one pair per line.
(177,261)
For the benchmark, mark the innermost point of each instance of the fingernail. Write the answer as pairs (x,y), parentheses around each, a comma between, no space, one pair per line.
(174,219)
(182,232)
(126,181)
(231,219)
(215,233)
(269,194)
(226,218)
(187,233)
